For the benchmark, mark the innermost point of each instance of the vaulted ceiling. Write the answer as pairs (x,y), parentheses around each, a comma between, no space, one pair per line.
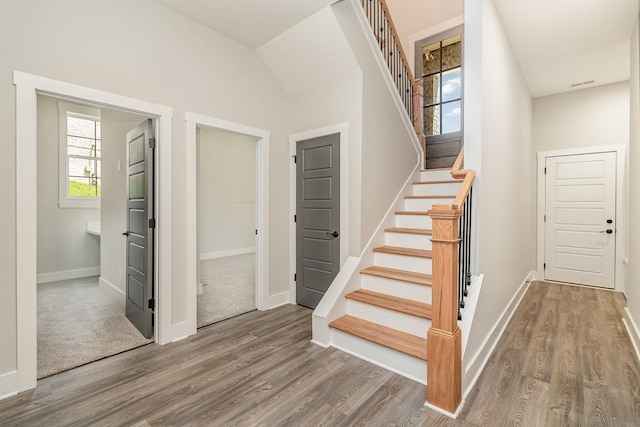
(558,43)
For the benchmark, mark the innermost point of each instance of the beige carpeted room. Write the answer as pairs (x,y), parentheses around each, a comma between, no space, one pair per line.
(226,224)
(81,250)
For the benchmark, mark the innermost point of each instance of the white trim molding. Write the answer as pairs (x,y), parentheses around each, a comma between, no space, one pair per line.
(8,384)
(621,220)
(79,273)
(193,122)
(343,130)
(632,329)
(28,86)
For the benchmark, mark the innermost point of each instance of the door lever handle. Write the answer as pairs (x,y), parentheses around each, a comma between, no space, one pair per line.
(126,233)
(608,231)
(334,234)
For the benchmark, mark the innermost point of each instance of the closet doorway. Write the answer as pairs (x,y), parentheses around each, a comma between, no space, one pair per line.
(226,224)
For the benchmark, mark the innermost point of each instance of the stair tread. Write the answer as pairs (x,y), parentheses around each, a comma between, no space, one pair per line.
(382,335)
(401,305)
(412,213)
(397,250)
(401,275)
(440,181)
(431,197)
(423,231)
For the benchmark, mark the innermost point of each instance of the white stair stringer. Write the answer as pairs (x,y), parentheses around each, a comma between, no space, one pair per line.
(392,360)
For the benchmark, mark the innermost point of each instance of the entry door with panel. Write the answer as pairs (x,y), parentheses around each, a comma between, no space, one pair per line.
(317,217)
(140,228)
(580,229)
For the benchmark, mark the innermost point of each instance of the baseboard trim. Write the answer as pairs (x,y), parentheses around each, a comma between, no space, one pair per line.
(222,254)
(8,384)
(277,300)
(56,276)
(446,413)
(112,290)
(478,362)
(633,331)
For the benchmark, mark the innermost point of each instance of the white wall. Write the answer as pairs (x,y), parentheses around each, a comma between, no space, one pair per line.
(145,51)
(113,216)
(63,242)
(582,118)
(226,192)
(633,272)
(386,141)
(505,166)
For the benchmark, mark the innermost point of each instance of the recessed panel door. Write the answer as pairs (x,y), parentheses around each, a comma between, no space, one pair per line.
(317,217)
(140,228)
(580,229)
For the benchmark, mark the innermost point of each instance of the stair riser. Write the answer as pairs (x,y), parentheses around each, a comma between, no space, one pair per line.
(440,175)
(392,319)
(400,363)
(423,205)
(406,240)
(397,288)
(446,189)
(413,221)
(403,262)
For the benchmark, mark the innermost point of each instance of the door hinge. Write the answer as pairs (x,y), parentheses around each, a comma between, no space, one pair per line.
(152,143)
(256,232)
(545,218)
(295,158)
(295,277)
(152,303)
(152,223)
(295,218)
(545,171)
(544,266)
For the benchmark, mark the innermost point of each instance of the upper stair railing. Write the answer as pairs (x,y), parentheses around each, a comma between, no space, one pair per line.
(409,88)
(451,241)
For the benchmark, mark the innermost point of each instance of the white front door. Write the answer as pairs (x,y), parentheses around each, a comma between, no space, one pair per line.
(580,229)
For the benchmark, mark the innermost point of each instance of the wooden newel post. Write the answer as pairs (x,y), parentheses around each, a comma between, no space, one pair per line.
(444,341)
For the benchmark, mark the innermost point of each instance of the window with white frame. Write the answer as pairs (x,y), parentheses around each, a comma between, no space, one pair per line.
(80,181)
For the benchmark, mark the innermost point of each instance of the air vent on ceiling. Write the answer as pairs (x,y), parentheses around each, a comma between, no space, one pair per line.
(588,82)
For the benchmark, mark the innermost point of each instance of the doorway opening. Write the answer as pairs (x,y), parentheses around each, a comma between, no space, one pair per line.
(439,65)
(226,224)
(83,277)
(28,87)
(230,236)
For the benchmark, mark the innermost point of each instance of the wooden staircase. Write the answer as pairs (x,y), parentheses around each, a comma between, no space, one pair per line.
(388,318)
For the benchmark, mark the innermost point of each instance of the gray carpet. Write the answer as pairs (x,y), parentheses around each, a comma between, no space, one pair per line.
(78,323)
(229,288)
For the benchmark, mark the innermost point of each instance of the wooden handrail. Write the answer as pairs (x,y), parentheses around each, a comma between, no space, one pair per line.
(467,175)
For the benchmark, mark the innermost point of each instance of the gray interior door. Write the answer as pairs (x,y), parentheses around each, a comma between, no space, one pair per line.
(140,225)
(317,217)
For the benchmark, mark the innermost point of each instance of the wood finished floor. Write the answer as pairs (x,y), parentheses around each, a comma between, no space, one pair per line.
(565,359)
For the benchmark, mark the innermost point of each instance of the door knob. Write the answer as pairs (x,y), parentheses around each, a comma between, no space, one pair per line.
(609,221)
(334,234)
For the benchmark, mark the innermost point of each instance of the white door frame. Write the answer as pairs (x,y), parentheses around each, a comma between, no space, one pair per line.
(27,88)
(621,217)
(343,130)
(194,121)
